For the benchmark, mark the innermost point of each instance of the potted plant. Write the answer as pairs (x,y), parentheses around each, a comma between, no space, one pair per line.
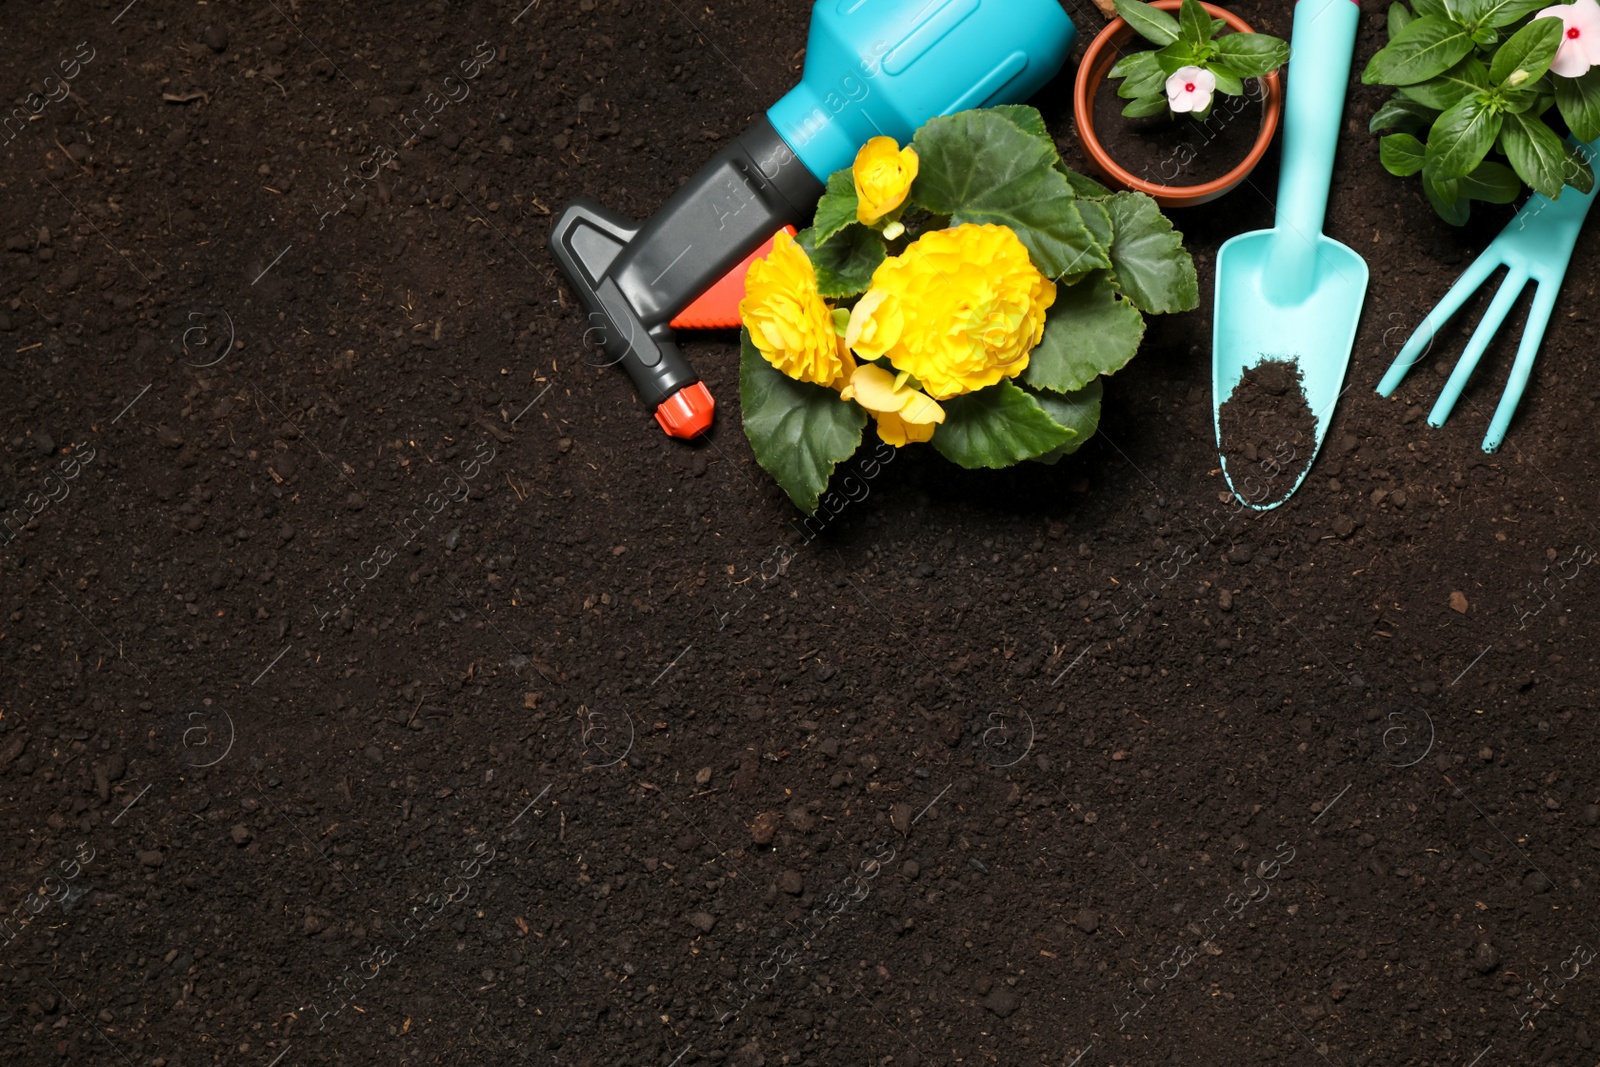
(966,291)
(1192,114)
(1477,88)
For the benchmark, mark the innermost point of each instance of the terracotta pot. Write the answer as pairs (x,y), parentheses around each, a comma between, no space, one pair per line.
(1102,55)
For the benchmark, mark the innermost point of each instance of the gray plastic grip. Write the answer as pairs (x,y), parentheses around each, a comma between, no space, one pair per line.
(633,279)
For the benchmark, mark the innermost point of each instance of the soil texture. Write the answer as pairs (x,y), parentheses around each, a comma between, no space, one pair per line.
(1268,430)
(381,686)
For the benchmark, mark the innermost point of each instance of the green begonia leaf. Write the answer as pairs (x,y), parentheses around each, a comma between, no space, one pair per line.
(979,167)
(845,264)
(1149,264)
(800,432)
(1091,330)
(997,427)
(1079,412)
(837,208)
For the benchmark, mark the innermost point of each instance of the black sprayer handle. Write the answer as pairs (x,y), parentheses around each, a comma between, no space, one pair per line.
(633,279)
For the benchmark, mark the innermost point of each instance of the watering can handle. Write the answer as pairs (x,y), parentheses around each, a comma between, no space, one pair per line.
(1322,49)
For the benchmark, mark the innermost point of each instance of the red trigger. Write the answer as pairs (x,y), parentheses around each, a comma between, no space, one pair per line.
(718,307)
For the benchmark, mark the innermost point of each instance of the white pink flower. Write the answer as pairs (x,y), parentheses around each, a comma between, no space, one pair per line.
(1190,88)
(1580,39)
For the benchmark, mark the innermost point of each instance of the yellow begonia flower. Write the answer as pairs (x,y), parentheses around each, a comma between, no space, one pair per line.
(959,310)
(847,365)
(904,414)
(788,321)
(883,172)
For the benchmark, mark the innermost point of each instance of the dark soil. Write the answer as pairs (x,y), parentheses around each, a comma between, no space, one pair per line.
(1268,431)
(385,688)
(1180,150)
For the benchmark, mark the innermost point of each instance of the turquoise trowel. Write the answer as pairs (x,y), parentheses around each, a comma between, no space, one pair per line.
(1290,293)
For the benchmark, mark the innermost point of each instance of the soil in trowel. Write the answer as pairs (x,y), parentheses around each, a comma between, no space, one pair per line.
(1268,431)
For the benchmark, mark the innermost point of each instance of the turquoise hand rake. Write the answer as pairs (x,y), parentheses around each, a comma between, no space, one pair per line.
(1536,246)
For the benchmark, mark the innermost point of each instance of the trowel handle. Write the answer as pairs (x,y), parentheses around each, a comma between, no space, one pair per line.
(1321,50)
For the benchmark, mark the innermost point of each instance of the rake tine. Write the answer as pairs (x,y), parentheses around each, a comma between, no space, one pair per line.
(1493,319)
(1544,302)
(1435,320)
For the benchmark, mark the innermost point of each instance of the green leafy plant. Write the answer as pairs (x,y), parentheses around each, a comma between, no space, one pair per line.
(986,179)
(1190,62)
(1478,109)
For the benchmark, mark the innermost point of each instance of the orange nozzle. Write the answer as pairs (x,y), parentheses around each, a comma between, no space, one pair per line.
(687,413)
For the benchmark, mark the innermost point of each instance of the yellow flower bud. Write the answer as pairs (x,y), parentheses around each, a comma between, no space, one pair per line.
(904,414)
(883,172)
